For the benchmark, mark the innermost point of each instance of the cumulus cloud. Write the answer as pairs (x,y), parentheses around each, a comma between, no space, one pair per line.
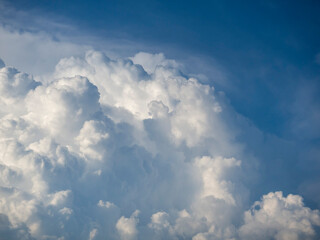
(212,214)
(281,218)
(100,138)
(214,183)
(14,86)
(63,106)
(127,227)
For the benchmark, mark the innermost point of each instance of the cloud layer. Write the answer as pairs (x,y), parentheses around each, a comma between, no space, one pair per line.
(129,149)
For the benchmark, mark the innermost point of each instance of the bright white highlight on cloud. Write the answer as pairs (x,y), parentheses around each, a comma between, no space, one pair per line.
(128,149)
(127,227)
(281,218)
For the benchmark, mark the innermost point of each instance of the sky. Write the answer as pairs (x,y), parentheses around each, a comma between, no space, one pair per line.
(159,119)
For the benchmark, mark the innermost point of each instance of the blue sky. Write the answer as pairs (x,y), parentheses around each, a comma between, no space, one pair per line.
(261,57)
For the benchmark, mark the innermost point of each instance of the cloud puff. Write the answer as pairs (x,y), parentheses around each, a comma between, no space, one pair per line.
(212,212)
(63,106)
(281,218)
(14,86)
(100,138)
(213,171)
(127,86)
(127,227)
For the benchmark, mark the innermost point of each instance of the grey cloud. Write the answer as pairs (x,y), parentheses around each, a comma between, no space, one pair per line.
(2,64)
(7,231)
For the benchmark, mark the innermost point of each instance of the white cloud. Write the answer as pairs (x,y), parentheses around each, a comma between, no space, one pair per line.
(214,183)
(122,84)
(90,139)
(93,234)
(14,86)
(99,138)
(59,198)
(105,204)
(159,221)
(62,107)
(66,211)
(127,226)
(281,218)
(213,210)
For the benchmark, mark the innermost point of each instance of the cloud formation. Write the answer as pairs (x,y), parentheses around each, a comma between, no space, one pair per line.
(128,149)
(281,218)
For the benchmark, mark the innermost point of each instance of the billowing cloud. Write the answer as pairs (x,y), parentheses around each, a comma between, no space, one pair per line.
(14,86)
(281,218)
(128,149)
(127,227)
